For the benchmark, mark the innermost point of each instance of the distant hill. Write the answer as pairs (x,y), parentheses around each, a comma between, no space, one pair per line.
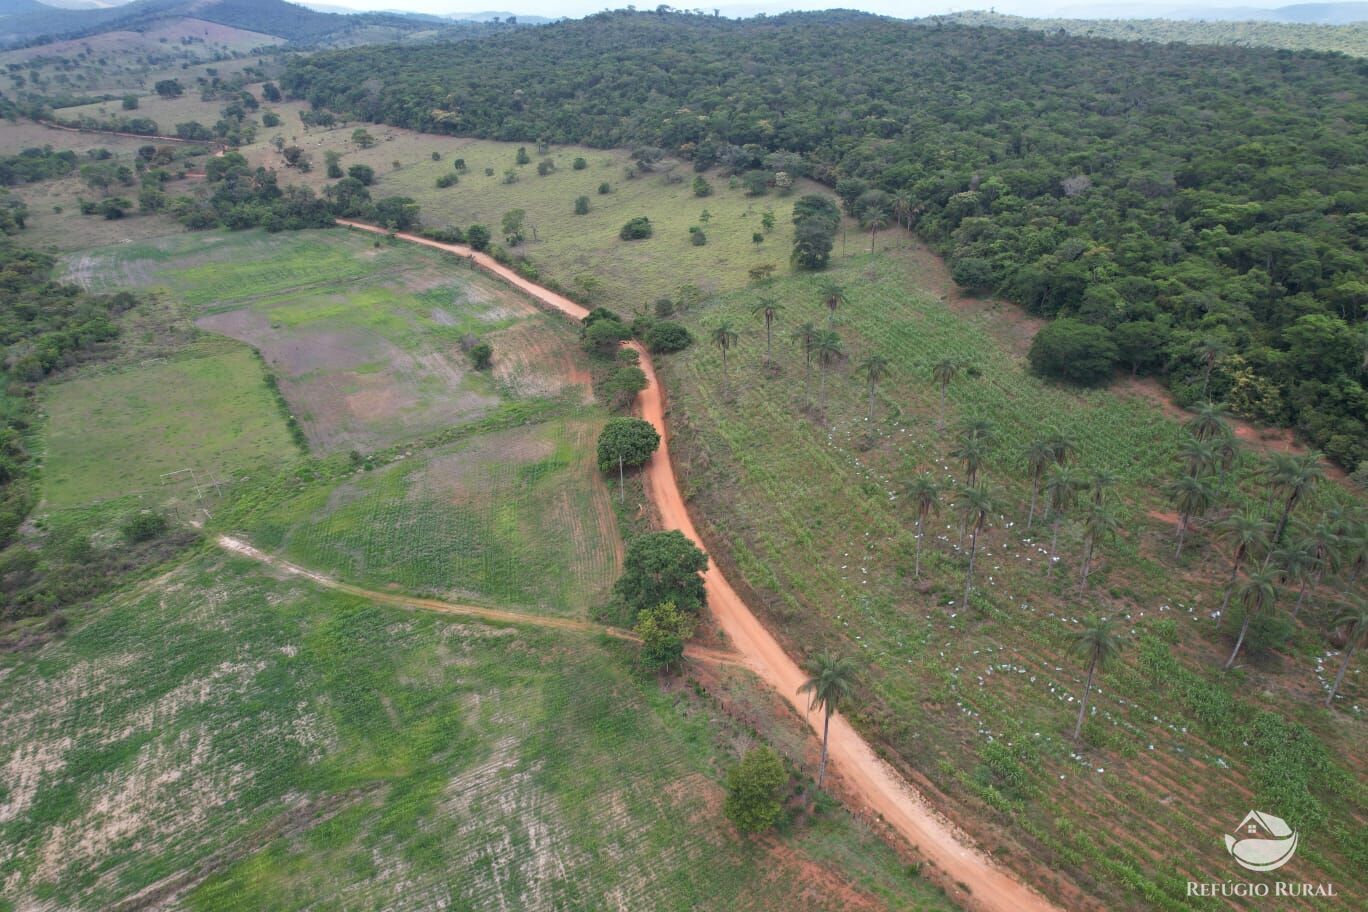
(1345,39)
(290,21)
(14,7)
(1304,13)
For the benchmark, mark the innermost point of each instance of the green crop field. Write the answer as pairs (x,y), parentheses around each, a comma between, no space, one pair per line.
(517,517)
(980,700)
(365,335)
(250,743)
(113,434)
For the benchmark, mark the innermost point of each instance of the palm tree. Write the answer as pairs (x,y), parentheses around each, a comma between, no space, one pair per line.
(903,207)
(1099,525)
(1063,446)
(806,336)
(1355,551)
(1208,350)
(1100,644)
(1102,481)
(1296,563)
(827,348)
(767,309)
(1039,455)
(875,368)
(724,337)
(1247,533)
(1257,595)
(976,504)
(943,373)
(1197,456)
(1227,453)
(1193,497)
(875,220)
(1296,478)
(972,451)
(1208,421)
(1322,543)
(833,296)
(831,683)
(1061,493)
(925,496)
(1356,619)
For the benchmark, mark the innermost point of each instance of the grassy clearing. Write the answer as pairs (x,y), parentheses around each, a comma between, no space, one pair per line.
(980,700)
(113,434)
(260,759)
(364,335)
(517,517)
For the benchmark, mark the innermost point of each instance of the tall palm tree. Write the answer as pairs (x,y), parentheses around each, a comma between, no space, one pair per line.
(831,682)
(1296,562)
(1354,537)
(875,220)
(1257,595)
(768,309)
(903,207)
(1061,492)
(1322,542)
(1209,349)
(806,337)
(943,373)
(833,296)
(976,505)
(875,369)
(1099,525)
(827,350)
(1295,479)
(1208,421)
(1247,533)
(925,496)
(1227,453)
(972,451)
(1063,446)
(1039,456)
(1355,617)
(1102,481)
(724,337)
(1197,456)
(1192,496)
(1099,643)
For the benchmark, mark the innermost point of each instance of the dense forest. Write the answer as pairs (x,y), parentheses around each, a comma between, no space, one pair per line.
(1349,39)
(1207,206)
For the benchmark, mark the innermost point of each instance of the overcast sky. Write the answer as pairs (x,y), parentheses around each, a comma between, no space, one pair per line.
(902,8)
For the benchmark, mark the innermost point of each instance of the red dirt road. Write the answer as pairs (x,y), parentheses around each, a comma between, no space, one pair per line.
(876,783)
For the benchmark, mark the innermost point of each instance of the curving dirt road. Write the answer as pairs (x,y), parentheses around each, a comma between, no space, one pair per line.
(865,774)
(497,615)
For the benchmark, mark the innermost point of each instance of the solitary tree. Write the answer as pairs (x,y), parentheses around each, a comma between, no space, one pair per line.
(1208,421)
(1246,533)
(875,369)
(827,350)
(724,337)
(1192,496)
(833,296)
(875,220)
(1039,456)
(831,682)
(1061,491)
(806,337)
(976,504)
(753,790)
(625,442)
(1257,594)
(1295,477)
(943,373)
(925,496)
(662,567)
(663,631)
(1099,643)
(1355,619)
(1099,525)
(972,449)
(767,309)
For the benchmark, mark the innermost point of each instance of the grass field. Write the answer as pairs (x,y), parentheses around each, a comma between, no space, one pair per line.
(114,433)
(517,517)
(184,741)
(982,700)
(365,336)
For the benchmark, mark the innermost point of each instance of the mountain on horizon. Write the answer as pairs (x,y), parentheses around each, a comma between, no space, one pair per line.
(1303,13)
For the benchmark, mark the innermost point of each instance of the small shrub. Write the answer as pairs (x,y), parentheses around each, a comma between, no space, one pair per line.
(545,166)
(697,238)
(579,164)
(636,229)
(143,527)
(666,337)
(605,188)
(757,238)
(481,356)
(581,205)
(753,789)
(450,179)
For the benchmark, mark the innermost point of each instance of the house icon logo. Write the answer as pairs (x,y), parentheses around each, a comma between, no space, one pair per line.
(1264,843)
